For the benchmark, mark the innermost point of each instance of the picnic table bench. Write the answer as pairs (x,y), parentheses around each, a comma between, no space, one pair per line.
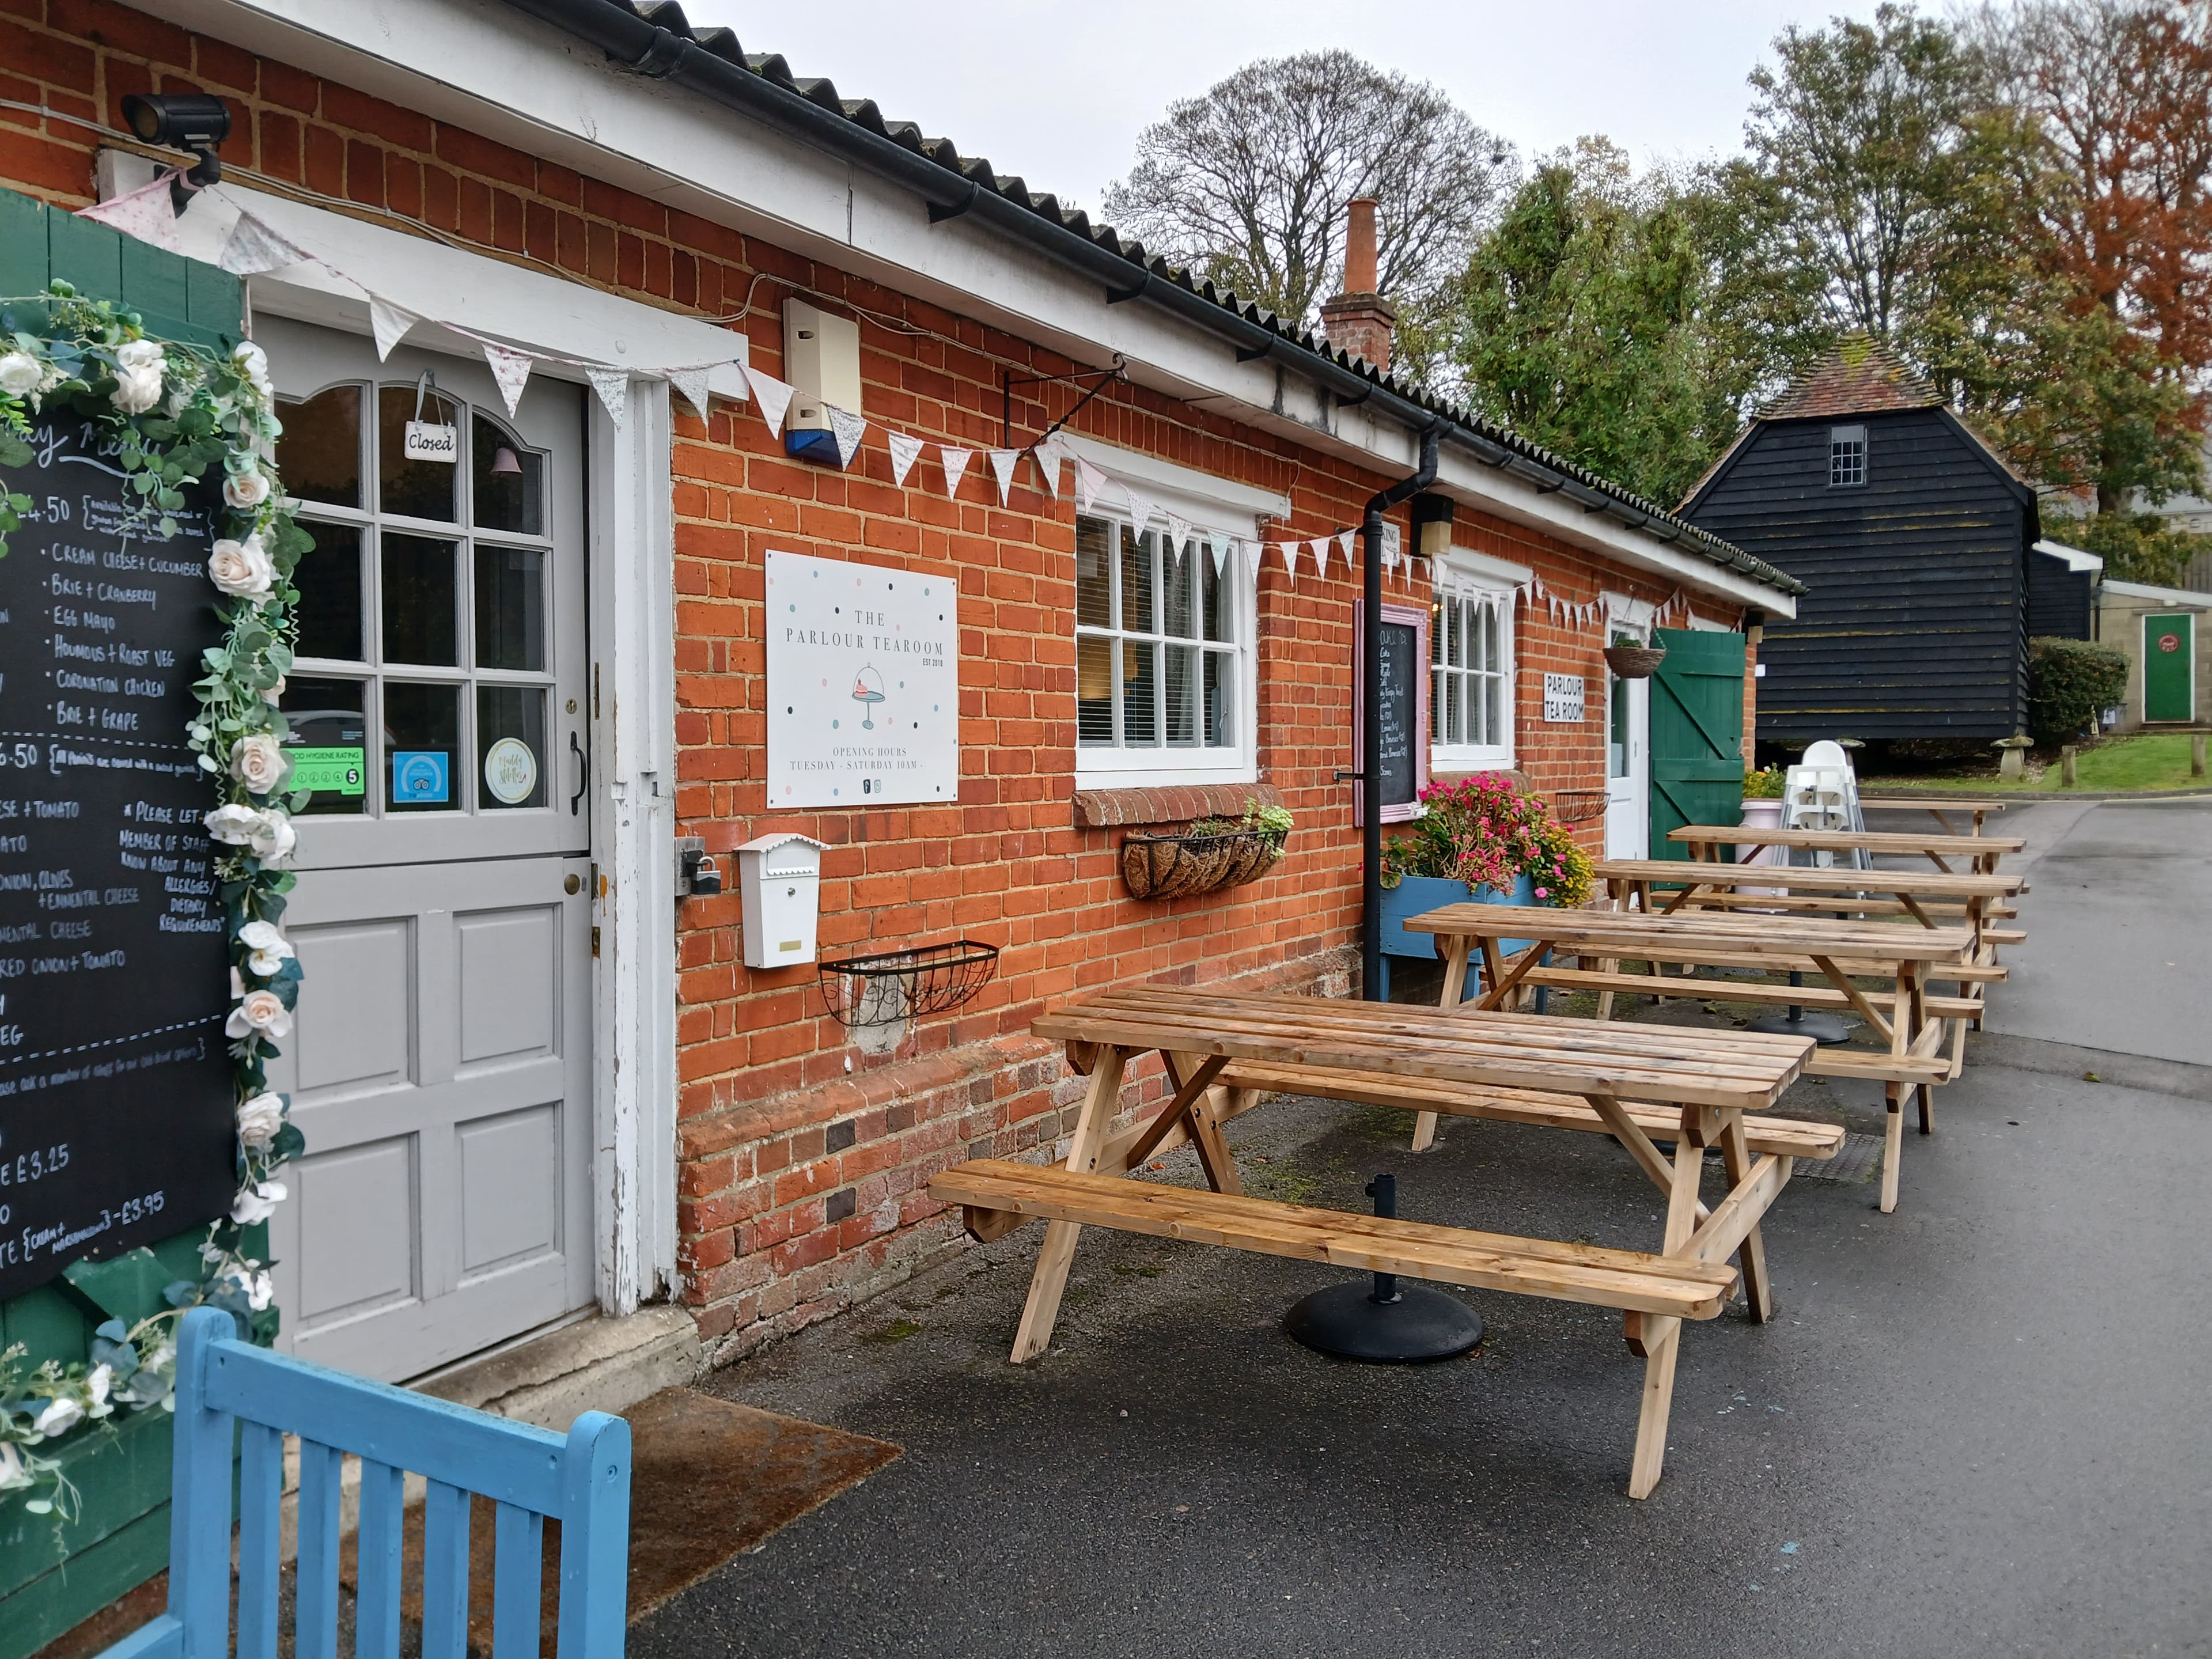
(1840,951)
(1937,809)
(1923,894)
(1704,841)
(1700,1087)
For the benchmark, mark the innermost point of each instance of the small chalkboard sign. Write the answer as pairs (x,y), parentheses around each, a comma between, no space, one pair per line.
(1401,769)
(116,1122)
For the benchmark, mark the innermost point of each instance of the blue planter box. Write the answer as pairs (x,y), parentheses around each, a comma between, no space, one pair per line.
(1414,895)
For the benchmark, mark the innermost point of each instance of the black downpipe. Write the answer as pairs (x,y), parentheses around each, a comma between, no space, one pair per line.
(1370,708)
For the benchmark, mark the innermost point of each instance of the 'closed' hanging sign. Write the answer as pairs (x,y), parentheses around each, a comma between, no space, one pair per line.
(430,440)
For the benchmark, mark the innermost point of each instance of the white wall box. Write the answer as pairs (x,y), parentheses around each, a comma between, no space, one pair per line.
(780,880)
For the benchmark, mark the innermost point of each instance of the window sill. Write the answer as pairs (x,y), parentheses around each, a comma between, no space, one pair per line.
(1169,803)
(1443,760)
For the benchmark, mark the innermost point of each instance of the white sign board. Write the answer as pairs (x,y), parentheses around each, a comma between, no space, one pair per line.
(1563,699)
(863,684)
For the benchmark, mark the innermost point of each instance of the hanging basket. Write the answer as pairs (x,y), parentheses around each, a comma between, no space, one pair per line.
(885,986)
(1176,866)
(1635,662)
(1577,806)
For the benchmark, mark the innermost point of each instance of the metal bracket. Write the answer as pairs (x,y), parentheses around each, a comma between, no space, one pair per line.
(937,215)
(1254,354)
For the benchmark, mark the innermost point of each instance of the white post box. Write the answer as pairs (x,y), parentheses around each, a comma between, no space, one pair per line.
(779,878)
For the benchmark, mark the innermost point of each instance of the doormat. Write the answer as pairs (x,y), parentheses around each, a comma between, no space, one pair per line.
(710,1480)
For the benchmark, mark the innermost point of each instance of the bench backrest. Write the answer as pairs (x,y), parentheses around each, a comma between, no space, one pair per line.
(230,1392)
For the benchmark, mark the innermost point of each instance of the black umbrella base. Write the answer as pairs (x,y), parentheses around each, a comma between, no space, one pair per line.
(1824,1029)
(1417,1324)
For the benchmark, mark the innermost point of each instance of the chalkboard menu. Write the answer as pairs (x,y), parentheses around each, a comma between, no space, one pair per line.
(116,1118)
(1402,667)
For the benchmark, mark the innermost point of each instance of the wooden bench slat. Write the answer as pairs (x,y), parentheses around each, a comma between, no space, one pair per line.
(1842,840)
(1727,990)
(1627,1279)
(1878,1066)
(1811,878)
(1622,932)
(1786,1136)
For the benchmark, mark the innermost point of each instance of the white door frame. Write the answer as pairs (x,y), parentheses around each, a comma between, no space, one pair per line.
(1630,616)
(631,575)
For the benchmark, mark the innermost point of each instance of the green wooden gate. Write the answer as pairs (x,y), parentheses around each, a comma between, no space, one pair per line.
(2169,660)
(121,1537)
(1697,734)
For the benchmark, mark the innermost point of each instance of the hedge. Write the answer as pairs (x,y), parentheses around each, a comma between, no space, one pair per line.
(2069,683)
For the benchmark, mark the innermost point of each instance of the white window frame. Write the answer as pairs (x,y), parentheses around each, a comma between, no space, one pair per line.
(1468,576)
(1839,439)
(1210,505)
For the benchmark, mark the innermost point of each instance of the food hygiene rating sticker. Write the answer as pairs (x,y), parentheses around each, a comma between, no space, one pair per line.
(863,684)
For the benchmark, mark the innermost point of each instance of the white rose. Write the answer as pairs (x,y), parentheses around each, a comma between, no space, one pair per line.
(13,1475)
(259,761)
(137,390)
(59,1416)
(257,1202)
(233,824)
(97,1384)
(253,362)
(259,1119)
(260,1010)
(245,490)
(260,1290)
(274,839)
(271,949)
(242,568)
(20,373)
(136,355)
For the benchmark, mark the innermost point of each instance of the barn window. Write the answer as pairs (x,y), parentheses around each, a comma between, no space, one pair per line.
(1846,455)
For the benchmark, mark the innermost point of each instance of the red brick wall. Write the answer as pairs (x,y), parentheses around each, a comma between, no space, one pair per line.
(803,1162)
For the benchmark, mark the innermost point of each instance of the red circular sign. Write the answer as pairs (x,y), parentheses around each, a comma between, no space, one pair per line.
(2169,641)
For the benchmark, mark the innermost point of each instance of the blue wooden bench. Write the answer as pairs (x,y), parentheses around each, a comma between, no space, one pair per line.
(229,1393)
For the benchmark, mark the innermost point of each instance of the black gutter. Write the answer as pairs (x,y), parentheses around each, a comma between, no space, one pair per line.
(1370,711)
(645,48)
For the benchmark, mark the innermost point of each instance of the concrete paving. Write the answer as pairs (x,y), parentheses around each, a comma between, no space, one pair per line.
(1976,1427)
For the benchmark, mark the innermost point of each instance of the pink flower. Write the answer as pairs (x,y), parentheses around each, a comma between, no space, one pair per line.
(1542,892)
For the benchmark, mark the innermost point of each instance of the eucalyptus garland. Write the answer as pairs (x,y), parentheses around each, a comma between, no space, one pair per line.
(182,419)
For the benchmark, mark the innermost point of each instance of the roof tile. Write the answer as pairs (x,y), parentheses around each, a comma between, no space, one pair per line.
(1859,376)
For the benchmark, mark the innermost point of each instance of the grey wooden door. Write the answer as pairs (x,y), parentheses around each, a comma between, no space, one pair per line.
(439,1066)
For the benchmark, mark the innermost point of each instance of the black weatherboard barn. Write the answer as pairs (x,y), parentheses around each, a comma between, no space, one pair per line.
(1917,541)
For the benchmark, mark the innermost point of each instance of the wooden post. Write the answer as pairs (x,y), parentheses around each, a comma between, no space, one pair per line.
(2196,754)
(2067,779)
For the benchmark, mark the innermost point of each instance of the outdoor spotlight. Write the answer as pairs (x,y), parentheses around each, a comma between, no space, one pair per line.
(186,121)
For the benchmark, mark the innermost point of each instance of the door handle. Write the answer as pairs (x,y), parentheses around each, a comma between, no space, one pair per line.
(583,770)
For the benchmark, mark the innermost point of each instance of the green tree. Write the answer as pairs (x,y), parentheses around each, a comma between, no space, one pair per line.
(1577,322)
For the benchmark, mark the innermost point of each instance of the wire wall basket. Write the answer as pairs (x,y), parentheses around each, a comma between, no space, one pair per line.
(885,986)
(1578,806)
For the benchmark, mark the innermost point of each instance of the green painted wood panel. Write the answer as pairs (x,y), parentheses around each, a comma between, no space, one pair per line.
(2169,669)
(176,298)
(1697,734)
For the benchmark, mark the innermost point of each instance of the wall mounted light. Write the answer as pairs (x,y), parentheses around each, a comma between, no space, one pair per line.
(188,121)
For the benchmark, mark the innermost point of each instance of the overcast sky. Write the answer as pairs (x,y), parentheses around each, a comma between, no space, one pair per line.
(1058,92)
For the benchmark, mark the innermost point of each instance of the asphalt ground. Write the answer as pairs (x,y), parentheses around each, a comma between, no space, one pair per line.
(1976,1426)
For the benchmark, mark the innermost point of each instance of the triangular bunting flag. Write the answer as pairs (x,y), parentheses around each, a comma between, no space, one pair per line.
(1142,511)
(1344,546)
(775,398)
(613,386)
(904,452)
(1321,554)
(1253,552)
(1002,468)
(1220,544)
(847,428)
(145,214)
(389,323)
(253,248)
(1089,481)
(1178,529)
(692,383)
(955,463)
(1047,453)
(511,369)
(1290,552)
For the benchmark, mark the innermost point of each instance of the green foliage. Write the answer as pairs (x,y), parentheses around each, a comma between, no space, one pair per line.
(1764,783)
(1484,831)
(2069,683)
(1273,821)
(2136,547)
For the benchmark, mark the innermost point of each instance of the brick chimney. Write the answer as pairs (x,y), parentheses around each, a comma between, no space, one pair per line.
(1359,320)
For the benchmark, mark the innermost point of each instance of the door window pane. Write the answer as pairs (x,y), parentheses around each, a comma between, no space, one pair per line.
(319,455)
(1094,690)
(510,484)
(1138,610)
(328,742)
(418,490)
(422,740)
(329,579)
(420,610)
(511,608)
(1140,693)
(511,758)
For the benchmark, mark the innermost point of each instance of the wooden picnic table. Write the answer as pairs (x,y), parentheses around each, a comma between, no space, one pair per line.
(1935,809)
(1705,841)
(1841,951)
(1923,894)
(1223,1052)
